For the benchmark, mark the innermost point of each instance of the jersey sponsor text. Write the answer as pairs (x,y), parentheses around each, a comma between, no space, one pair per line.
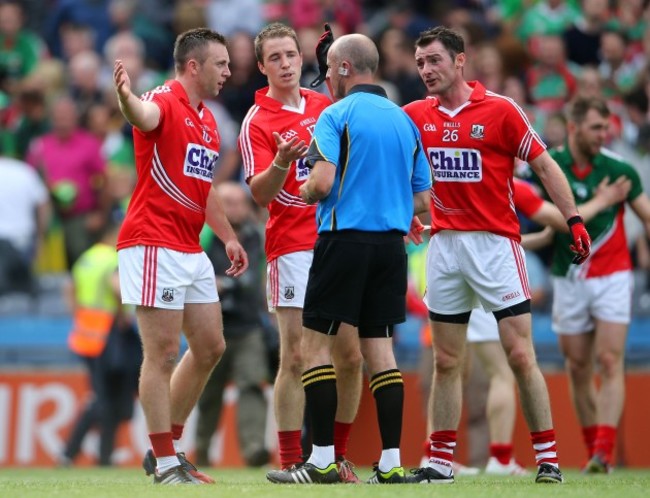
(200,162)
(455,165)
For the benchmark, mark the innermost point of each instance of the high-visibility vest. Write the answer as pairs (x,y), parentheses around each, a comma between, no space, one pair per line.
(96,303)
(90,331)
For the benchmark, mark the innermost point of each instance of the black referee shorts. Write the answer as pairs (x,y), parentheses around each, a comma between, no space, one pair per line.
(357,278)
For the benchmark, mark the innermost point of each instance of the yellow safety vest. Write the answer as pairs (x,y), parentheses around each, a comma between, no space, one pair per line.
(95,299)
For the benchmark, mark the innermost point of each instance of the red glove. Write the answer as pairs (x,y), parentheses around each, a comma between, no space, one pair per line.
(581,241)
(324,43)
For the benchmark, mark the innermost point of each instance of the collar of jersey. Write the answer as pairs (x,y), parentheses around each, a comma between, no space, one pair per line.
(263,100)
(367,88)
(181,94)
(478,93)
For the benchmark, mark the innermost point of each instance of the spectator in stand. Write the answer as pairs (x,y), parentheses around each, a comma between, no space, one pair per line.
(24,217)
(487,67)
(70,161)
(130,49)
(554,132)
(245,361)
(582,38)
(75,39)
(618,73)
(395,55)
(232,16)
(630,17)
(84,81)
(590,83)
(239,95)
(308,38)
(550,82)
(20,49)
(547,17)
(93,14)
(30,118)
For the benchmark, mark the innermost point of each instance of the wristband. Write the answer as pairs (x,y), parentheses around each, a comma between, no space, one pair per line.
(281,168)
(574,219)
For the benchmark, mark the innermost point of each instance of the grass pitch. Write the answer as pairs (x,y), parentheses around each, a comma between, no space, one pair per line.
(247,483)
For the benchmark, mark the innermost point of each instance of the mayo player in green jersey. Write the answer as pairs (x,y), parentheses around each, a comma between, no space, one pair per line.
(592,302)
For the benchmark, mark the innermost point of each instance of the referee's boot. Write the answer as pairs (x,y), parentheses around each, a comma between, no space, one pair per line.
(306,473)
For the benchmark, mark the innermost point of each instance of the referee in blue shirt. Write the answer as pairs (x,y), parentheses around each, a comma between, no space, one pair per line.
(369,176)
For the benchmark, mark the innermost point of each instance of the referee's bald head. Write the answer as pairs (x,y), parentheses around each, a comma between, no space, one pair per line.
(359,50)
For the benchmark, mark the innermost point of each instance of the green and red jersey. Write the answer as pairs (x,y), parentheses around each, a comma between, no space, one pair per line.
(609,251)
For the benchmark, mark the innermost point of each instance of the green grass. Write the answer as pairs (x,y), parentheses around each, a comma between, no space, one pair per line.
(245,483)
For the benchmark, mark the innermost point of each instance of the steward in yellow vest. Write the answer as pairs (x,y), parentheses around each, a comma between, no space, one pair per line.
(95,297)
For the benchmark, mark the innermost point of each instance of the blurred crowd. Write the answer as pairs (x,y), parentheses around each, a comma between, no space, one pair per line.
(66,154)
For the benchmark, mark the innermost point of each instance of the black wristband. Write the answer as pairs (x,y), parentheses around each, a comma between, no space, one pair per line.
(574,220)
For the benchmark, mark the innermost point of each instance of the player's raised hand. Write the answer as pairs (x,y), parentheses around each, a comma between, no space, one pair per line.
(581,241)
(289,150)
(238,258)
(121,81)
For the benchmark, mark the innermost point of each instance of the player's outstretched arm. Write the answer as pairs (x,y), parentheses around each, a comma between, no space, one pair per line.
(143,115)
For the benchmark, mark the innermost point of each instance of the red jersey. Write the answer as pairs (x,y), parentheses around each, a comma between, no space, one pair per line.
(471,150)
(175,163)
(527,200)
(291,226)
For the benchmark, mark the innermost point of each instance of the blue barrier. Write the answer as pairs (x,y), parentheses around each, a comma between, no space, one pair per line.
(43,340)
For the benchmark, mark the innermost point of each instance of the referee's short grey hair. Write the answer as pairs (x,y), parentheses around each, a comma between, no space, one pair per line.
(359,50)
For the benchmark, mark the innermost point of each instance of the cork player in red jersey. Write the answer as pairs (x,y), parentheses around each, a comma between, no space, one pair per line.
(471,137)
(163,270)
(274,138)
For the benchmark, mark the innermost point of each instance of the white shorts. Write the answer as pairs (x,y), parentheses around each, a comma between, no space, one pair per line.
(163,278)
(577,302)
(286,280)
(482,327)
(468,268)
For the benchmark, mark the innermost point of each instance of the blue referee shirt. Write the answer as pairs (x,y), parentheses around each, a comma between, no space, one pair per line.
(379,161)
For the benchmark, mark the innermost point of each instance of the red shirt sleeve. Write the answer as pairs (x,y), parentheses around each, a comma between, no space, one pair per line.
(527,200)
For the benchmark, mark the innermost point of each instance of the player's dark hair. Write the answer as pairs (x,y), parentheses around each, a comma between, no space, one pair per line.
(192,44)
(579,108)
(273,30)
(450,39)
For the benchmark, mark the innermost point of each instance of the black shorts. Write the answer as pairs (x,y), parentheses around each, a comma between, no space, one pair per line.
(357,278)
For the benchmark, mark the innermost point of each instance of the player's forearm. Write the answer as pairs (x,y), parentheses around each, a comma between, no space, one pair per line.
(267,185)
(421,201)
(217,220)
(142,115)
(555,184)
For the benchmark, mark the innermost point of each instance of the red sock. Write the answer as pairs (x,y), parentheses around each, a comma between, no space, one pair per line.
(502,452)
(545,447)
(442,446)
(290,448)
(589,437)
(341,438)
(162,444)
(426,446)
(177,431)
(605,441)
